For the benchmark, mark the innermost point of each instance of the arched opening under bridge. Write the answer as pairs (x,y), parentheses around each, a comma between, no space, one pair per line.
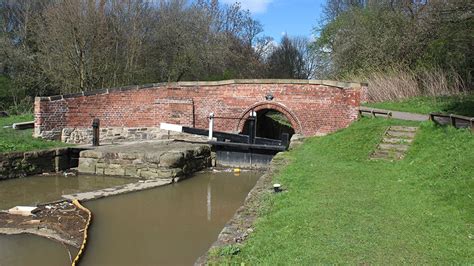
(270,124)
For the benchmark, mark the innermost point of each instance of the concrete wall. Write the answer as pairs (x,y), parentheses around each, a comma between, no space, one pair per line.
(313,107)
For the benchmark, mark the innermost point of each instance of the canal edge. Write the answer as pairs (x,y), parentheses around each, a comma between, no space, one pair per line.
(238,228)
(86,229)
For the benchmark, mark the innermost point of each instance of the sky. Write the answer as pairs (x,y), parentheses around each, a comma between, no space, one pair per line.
(293,17)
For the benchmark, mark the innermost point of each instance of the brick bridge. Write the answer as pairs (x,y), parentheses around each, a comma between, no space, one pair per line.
(313,107)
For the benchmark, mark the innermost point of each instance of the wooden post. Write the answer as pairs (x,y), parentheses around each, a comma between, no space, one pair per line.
(472,125)
(95,131)
(453,120)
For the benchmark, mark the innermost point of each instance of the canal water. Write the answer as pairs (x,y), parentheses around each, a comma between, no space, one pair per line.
(21,250)
(170,225)
(32,190)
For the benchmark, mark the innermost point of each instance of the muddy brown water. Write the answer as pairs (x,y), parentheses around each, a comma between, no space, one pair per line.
(170,225)
(39,189)
(20,250)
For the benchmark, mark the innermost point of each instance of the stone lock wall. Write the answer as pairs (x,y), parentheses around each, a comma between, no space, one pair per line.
(19,164)
(313,107)
(176,163)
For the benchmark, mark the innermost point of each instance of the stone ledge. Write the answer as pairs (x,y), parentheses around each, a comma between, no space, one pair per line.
(107,192)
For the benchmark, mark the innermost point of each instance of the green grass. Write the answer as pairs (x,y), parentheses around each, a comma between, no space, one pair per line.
(461,105)
(343,208)
(22,140)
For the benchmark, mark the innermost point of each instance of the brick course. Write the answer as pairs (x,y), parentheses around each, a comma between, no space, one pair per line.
(312,107)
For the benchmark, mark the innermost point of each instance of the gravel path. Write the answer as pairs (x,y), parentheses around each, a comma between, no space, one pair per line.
(400,115)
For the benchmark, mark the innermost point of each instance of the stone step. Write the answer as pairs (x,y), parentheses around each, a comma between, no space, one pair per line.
(404,129)
(387,155)
(396,140)
(401,134)
(395,147)
(395,143)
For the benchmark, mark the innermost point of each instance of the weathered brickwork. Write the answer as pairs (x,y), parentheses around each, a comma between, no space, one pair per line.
(313,107)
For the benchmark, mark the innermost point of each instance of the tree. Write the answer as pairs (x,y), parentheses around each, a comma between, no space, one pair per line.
(362,36)
(292,58)
(61,46)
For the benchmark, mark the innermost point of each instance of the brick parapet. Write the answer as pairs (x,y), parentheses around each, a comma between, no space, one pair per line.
(313,107)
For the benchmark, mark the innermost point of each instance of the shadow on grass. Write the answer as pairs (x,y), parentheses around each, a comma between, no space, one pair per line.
(461,106)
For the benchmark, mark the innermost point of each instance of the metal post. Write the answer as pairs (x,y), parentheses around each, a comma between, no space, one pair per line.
(95,132)
(252,127)
(211,125)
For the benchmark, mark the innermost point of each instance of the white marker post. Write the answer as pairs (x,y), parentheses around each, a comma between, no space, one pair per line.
(211,125)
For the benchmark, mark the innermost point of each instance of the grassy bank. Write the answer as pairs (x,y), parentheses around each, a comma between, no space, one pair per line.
(342,208)
(21,140)
(461,105)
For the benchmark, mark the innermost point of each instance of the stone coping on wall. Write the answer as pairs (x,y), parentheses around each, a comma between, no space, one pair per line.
(332,83)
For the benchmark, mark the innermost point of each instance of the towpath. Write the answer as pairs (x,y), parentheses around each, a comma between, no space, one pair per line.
(400,115)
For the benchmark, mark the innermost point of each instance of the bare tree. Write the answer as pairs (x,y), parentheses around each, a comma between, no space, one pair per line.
(292,58)
(59,46)
(74,43)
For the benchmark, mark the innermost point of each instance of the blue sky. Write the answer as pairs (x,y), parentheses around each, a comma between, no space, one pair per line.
(295,17)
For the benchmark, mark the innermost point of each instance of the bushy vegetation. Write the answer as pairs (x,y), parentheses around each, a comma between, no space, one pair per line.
(342,208)
(401,48)
(5,88)
(21,140)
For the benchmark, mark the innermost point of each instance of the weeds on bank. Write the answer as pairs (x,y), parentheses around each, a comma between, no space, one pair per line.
(343,208)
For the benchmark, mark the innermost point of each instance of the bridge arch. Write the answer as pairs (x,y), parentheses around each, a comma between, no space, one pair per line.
(292,118)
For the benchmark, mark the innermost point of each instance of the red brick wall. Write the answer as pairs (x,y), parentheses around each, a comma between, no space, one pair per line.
(312,107)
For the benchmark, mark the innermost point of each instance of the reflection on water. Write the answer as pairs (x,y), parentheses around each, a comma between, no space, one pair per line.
(21,250)
(172,225)
(39,189)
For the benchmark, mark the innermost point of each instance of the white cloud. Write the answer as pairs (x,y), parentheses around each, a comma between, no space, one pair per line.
(254,6)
